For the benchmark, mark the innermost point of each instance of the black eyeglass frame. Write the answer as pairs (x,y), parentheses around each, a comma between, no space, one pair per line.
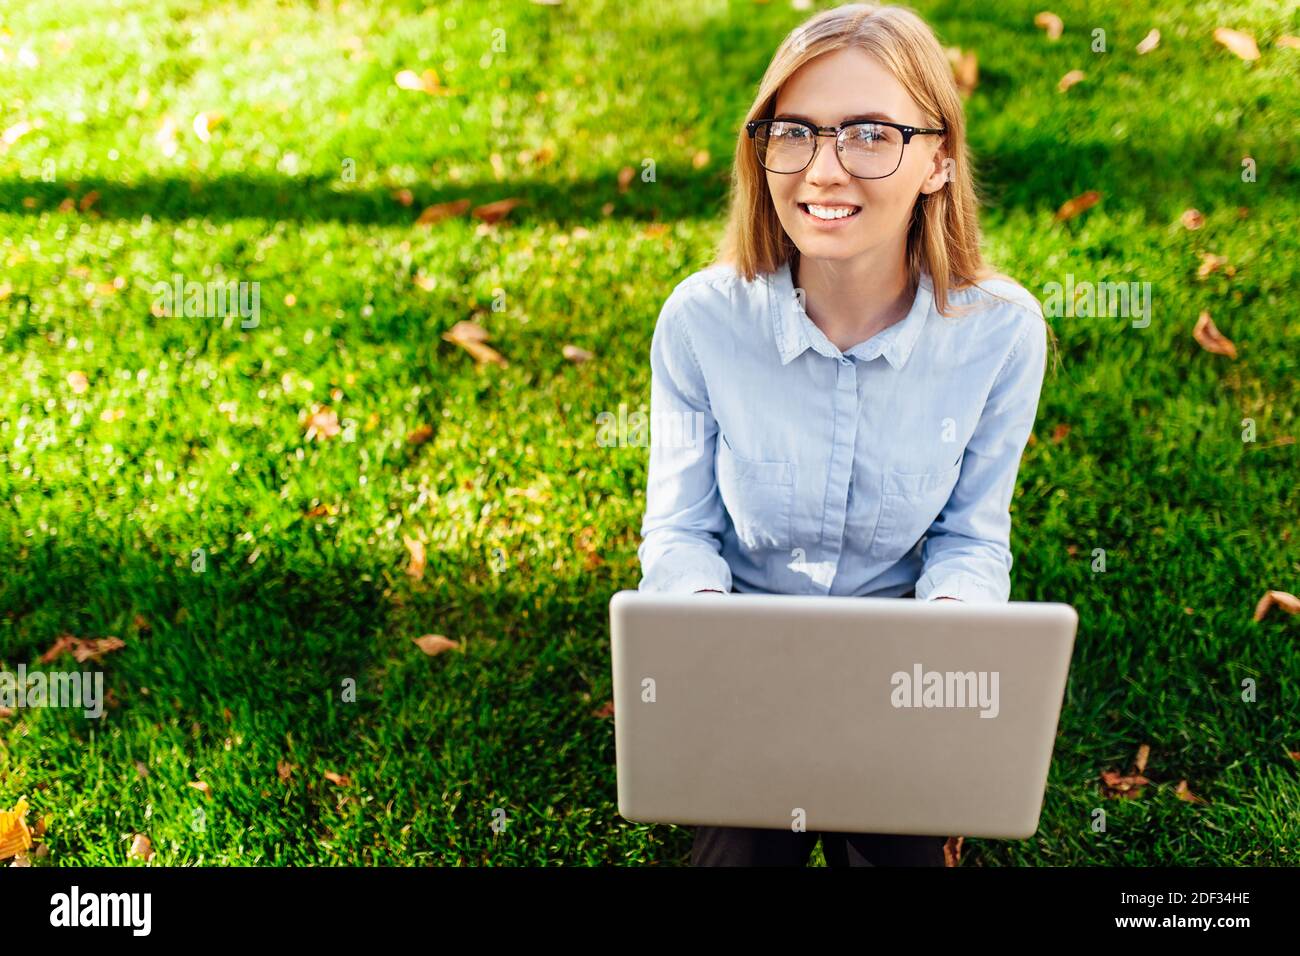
(837,131)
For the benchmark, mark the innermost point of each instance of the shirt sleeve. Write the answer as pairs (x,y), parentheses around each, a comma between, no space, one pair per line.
(681,547)
(967,550)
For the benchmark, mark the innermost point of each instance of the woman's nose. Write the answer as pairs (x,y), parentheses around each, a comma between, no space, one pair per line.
(825,167)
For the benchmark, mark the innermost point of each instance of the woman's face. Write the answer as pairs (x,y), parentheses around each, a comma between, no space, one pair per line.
(827,91)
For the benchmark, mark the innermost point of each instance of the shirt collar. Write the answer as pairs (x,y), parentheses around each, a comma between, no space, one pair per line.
(795,331)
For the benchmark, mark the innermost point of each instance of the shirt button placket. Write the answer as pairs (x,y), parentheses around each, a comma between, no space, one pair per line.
(841,470)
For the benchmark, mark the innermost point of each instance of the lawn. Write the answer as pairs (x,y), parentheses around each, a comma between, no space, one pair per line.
(239,502)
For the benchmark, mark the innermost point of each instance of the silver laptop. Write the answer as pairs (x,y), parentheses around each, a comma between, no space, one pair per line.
(860,715)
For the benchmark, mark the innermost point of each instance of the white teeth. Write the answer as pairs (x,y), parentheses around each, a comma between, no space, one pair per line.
(831,212)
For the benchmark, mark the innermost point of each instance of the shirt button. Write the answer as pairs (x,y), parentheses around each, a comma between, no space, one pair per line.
(844,361)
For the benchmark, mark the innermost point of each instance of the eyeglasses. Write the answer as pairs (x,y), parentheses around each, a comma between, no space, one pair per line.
(871,150)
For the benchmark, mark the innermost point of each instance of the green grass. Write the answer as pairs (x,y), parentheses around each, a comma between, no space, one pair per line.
(230,671)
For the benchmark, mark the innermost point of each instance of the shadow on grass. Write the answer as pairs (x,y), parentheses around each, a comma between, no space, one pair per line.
(1037,173)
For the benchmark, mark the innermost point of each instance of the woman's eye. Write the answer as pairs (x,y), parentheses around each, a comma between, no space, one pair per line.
(866,134)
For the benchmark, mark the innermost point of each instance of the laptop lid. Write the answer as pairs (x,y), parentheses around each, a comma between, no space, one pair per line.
(861,715)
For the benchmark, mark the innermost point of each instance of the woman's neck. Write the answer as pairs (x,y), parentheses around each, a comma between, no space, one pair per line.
(850,301)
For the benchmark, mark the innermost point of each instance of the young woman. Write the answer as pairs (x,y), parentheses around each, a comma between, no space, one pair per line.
(860,384)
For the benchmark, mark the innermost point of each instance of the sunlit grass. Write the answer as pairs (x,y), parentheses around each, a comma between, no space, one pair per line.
(190,433)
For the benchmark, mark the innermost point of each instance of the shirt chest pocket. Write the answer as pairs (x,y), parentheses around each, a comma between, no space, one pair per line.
(909,504)
(759,496)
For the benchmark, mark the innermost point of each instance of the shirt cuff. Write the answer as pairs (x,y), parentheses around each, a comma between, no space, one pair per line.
(964,587)
(689,576)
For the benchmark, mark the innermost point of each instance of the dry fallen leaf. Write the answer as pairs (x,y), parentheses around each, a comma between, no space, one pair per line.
(202,787)
(965,69)
(577,355)
(1143,754)
(419,435)
(1071,78)
(1149,42)
(15,838)
(625,176)
(607,710)
(1283,599)
(1238,41)
(1051,23)
(1211,339)
(1210,263)
(1192,219)
(1288,41)
(468,331)
(1183,793)
(284,770)
(495,211)
(64,642)
(84,205)
(415,548)
(700,159)
(94,649)
(1059,433)
(435,644)
(441,211)
(141,848)
(1072,207)
(952,851)
(323,423)
(338,779)
(403,196)
(470,337)
(1115,784)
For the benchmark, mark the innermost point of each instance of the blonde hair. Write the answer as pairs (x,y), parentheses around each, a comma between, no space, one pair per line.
(944,234)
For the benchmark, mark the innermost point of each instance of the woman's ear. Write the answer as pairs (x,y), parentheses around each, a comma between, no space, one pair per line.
(942,169)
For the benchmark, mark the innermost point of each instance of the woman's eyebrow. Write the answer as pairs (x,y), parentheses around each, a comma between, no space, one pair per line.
(858,118)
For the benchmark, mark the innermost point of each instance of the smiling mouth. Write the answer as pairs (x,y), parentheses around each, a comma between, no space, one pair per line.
(829,213)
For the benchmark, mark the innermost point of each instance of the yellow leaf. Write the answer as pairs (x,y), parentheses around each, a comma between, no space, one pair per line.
(15,838)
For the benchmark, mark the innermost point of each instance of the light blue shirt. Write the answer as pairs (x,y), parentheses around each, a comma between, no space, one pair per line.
(780,464)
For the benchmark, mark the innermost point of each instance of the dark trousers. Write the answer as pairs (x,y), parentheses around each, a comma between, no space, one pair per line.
(751,846)
(747,846)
